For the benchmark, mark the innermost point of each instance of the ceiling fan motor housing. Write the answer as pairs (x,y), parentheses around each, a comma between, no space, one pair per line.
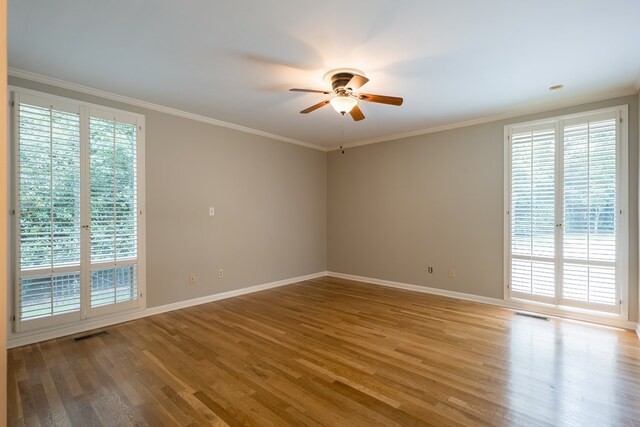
(339,83)
(343,82)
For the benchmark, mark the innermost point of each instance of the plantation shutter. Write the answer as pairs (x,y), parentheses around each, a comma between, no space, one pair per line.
(533,212)
(566,237)
(590,199)
(113,211)
(48,202)
(79,226)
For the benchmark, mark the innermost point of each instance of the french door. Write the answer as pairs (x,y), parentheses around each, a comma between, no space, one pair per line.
(566,212)
(79,223)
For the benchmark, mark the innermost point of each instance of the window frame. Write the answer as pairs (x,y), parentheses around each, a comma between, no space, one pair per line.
(85,109)
(622,199)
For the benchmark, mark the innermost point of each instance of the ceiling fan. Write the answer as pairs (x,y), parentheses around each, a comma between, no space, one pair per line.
(344,81)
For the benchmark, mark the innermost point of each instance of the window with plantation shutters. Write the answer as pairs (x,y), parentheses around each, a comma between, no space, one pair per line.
(533,212)
(565,212)
(589,231)
(49,210)
(114,213)
(78,211)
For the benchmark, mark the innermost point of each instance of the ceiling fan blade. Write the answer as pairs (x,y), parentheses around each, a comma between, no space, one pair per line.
(311,91)
(315,107)
(356,113)
(391,100)
(356,82)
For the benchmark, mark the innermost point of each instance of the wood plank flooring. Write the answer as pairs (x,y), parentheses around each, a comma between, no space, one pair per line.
(332,352)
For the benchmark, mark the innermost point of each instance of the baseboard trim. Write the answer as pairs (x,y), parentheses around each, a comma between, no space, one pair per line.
(17,340)
(231,294)
(20,339)
(419,288)
(513,305)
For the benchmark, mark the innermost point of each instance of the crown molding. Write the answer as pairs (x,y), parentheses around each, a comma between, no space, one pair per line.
(40,78)
(516,112)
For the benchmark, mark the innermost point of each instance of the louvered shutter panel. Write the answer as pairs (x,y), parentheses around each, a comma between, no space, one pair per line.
(533,212)
(78,212)
(49,211)
(565,242)
(590,158)
(113,211)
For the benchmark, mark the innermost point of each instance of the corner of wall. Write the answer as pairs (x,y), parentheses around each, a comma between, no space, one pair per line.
(396,217)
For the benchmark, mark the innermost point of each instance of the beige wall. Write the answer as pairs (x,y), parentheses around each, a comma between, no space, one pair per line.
(269,198)
(397,207)
(3,214)
(385,211)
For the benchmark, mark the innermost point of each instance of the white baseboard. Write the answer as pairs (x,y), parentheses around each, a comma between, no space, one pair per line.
(17,340)
(513,305)
(418,288)
(20,339)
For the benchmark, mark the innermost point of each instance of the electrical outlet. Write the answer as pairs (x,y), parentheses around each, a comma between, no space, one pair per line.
(430,270)
(452,273)
(192,278)
(221,273)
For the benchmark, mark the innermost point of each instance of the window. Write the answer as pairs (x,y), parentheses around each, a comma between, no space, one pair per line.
(113,210)
(79,222)
(566,215)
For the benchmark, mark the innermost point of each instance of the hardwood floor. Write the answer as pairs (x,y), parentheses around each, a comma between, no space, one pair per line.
(332,352)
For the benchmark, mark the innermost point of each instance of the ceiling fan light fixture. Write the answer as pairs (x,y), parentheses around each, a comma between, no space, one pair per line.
(343,104)
(343,83)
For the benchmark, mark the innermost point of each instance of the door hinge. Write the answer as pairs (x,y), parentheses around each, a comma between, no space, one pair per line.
(13,212)
(13,318)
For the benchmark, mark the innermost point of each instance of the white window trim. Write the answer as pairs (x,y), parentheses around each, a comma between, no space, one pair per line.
(85,314)
(623,203)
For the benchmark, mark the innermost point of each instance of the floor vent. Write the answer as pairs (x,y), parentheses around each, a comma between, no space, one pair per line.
(86,337)
(535,316)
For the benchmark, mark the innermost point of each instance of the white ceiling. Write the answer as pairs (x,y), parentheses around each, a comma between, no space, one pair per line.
(234,61)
